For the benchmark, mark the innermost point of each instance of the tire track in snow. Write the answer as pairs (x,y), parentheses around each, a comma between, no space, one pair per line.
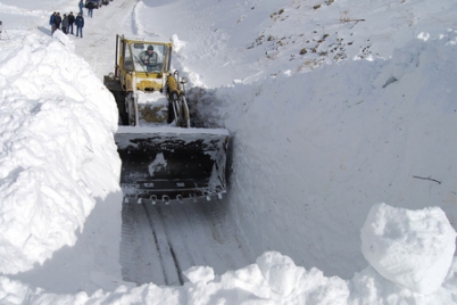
(137,243)
(184,235)
(166,254)
(137,28)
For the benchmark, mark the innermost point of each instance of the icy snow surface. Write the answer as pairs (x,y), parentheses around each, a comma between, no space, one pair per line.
(333,107)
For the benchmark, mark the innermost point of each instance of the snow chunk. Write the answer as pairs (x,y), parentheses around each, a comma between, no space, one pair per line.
(64,38)
(200,274)
(280,272)
(155,98)
(424,36)
(177,44)
(159,164)
(410,248)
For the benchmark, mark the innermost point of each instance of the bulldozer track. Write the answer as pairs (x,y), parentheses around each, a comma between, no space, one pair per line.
(164,248)
(135,234)
(161,241)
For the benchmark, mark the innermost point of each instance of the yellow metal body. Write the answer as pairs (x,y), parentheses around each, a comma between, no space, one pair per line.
(132,75)
(135,72)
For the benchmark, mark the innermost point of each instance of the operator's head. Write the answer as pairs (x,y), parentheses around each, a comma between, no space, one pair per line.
(150,49)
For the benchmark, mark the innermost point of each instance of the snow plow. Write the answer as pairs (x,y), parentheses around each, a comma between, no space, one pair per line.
(164,157)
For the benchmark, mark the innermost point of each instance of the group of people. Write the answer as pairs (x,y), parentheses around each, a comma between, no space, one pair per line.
(67,22)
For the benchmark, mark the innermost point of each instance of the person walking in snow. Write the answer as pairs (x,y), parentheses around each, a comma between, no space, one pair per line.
(71,21)
(81,6)
(52,23)
(65,23)
(90,8)
(79,22)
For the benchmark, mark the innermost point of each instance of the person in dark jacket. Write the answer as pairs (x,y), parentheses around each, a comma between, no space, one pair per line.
(90,8)
(79,22)
(65,23)
(51,22)
(71,21)
(57,20)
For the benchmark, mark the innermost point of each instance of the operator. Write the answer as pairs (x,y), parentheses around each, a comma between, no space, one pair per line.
(149,57)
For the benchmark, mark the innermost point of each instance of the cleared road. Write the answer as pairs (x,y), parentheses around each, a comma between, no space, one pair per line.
(160,241)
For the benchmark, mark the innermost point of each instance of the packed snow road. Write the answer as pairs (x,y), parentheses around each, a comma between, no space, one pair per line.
(160,241)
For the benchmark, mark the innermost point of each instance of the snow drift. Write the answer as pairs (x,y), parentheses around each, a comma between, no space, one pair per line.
(57,123)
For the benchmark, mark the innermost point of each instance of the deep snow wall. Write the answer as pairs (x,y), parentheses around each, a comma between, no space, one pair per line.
(58,155)
(313,152)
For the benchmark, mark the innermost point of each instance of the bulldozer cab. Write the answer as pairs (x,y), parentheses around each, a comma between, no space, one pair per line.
(142,65)
(147,58)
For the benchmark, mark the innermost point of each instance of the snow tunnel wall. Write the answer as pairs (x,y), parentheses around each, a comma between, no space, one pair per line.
(313,152)
(52,169)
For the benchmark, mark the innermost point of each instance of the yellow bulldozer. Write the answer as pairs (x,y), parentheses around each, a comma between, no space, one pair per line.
(164,157)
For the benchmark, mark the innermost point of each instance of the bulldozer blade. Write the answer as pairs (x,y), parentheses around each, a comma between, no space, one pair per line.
(171,163)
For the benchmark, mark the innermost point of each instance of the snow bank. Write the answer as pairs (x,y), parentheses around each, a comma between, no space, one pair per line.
(310,150)
(275,279)
(57,150)
(411,248)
